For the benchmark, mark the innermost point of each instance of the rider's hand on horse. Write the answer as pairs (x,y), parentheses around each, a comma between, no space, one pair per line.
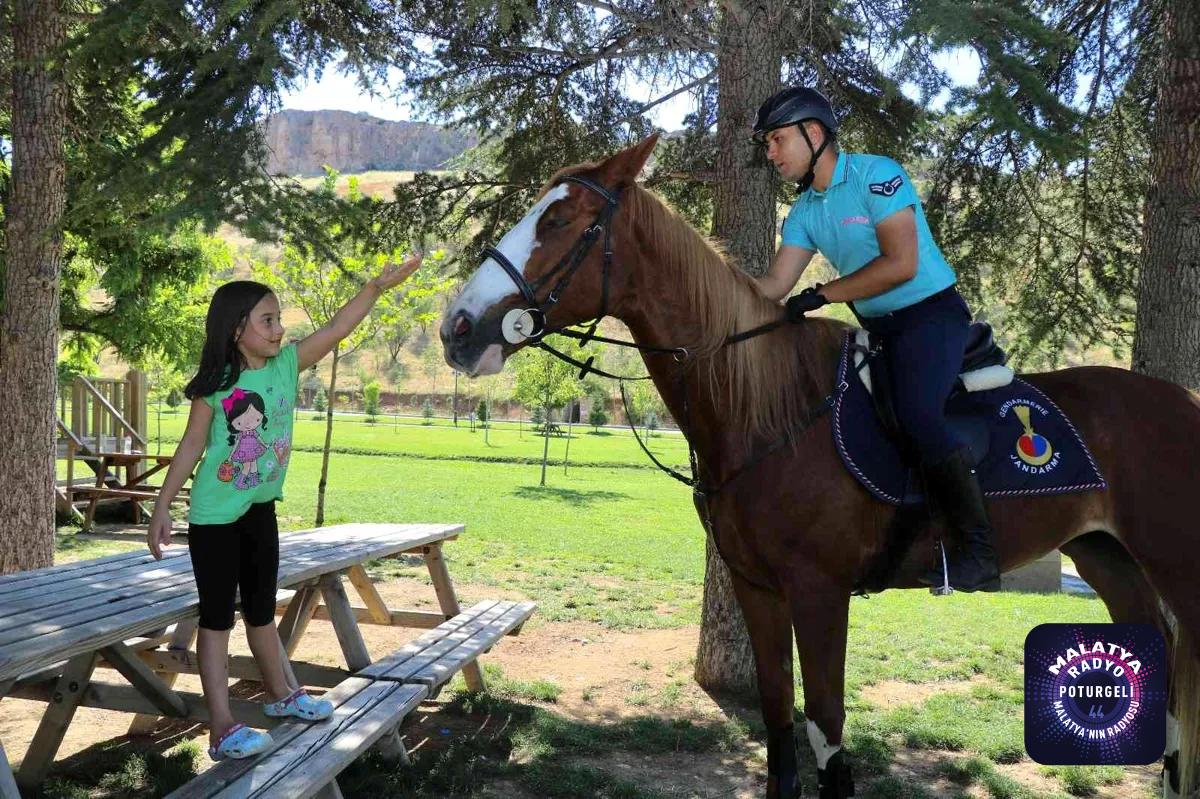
(395,274)
(808,300)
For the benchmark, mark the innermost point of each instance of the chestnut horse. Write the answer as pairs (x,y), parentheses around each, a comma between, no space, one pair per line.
(799,532)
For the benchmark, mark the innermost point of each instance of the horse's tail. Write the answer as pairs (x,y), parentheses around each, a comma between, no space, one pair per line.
(1185,686)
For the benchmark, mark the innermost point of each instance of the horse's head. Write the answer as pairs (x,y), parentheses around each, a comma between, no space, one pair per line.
(547,272)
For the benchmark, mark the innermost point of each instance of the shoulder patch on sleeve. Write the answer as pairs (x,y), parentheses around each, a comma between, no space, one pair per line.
(888,187)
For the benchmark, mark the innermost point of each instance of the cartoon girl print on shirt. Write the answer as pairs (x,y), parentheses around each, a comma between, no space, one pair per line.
(245,414)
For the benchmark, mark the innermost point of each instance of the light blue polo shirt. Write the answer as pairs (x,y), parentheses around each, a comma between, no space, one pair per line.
(840,222)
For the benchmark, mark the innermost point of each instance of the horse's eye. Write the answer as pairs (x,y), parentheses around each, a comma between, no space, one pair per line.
(555,223)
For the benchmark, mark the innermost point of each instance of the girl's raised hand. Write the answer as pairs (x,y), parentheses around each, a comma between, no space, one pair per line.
(395,274)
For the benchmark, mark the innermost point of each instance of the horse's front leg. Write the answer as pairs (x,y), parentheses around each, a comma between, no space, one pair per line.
(820,610)
(769,622)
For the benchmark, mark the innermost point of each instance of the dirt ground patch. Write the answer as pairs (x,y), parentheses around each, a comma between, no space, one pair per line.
(895,693)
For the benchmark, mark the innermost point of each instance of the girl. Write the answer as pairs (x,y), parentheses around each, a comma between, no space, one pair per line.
(241,420)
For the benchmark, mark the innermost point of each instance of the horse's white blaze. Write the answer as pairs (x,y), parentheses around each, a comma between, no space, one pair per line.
(491,283)
(822,749)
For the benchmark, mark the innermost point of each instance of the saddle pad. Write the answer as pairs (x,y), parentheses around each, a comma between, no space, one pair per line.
(1032,447)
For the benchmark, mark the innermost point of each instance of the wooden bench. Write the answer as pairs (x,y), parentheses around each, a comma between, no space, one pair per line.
(369,708)
(307,758)
(94,495)
(434,657)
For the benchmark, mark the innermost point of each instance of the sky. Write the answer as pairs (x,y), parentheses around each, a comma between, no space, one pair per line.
(335,91)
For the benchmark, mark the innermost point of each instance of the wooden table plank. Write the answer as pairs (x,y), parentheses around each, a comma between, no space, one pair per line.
(428,647)
(127,618)
(133,571)
(44,609)
(53,575)
(60,575)
(441,670)
(35,631)
(298,556)
(76,595)
(380,668)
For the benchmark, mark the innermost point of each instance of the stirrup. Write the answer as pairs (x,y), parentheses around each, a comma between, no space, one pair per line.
(944,589)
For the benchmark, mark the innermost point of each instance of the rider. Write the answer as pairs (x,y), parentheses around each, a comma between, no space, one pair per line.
(863,214)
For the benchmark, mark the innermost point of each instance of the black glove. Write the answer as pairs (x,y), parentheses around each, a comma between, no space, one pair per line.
(808,300)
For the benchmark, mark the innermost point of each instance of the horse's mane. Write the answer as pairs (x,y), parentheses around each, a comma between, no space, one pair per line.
(769,382)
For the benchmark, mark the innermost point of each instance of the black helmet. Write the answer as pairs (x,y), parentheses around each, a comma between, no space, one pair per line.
(791,106)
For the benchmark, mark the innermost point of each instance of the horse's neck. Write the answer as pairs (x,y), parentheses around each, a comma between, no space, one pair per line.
(662,311)
(664,318)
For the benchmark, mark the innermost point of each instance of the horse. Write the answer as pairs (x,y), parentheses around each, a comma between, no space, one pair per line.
(796,530)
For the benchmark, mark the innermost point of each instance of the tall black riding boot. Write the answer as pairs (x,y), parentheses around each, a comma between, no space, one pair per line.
(952,483)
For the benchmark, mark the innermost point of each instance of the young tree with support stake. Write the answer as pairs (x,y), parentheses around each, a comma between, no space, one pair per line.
(545,383)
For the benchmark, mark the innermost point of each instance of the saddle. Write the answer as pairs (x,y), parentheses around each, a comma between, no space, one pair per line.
(1021,443)
(983,369)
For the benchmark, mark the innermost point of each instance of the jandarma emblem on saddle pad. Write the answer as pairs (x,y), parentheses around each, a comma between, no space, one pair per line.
(1022,442)
(1032,453)
(1095,694)
(888,187)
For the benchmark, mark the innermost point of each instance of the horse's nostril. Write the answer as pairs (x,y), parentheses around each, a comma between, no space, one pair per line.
(462,326)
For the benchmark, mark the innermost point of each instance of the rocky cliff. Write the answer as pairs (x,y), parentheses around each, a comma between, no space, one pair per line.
(301,142)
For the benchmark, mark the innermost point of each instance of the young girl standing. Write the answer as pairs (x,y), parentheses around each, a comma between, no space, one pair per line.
(241,421)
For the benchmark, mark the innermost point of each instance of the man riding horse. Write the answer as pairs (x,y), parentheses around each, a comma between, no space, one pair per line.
(862,213)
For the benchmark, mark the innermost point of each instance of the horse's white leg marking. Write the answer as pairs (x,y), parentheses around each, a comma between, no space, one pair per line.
(821,747)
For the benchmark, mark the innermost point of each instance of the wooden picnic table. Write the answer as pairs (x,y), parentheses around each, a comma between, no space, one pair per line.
(58,624)
(134,487)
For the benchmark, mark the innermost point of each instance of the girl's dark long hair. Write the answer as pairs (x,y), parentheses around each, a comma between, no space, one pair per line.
(220,361)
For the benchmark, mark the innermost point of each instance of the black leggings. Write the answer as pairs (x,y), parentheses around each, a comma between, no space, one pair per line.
(242,553)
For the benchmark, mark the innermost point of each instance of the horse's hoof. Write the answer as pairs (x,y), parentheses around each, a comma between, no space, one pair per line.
(835,781)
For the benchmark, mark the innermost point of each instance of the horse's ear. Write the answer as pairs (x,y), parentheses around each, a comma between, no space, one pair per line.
(623,168)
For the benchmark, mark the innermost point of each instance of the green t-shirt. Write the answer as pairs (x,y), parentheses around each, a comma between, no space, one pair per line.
(249,442)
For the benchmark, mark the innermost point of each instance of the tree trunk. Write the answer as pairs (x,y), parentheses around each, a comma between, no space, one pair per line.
(29,320)
(749,65)
(1167,341)
(320,520)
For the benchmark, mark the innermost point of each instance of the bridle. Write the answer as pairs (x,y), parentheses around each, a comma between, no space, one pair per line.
(529,325)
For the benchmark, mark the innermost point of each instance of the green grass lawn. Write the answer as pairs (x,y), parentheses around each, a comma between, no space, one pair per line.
(505,441)
(619,544)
